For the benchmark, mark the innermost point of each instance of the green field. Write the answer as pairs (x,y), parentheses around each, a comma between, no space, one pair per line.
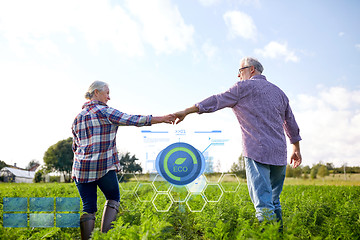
(317,211)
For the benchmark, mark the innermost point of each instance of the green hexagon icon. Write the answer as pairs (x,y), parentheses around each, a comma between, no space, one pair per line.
(198,185)
(178,193)
(196,202)
(160,184)
(129,201)
(213,192)
(230,182)
(162,202)
(213,177)
(128,182)
(145,192)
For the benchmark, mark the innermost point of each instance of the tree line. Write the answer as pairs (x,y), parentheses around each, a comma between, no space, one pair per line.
(59,158)
(305,172)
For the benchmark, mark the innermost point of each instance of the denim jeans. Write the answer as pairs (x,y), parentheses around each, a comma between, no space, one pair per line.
(108,184)
(265,183)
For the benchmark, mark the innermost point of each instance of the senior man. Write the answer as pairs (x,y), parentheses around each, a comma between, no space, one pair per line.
(263,112)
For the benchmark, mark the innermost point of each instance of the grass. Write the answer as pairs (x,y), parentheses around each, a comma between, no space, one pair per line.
(331,180)
(326,208)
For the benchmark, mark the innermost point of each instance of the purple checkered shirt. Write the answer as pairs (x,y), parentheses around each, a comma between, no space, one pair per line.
(94,142)
(263,112)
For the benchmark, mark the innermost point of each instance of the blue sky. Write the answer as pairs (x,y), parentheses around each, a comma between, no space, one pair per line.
(162,56)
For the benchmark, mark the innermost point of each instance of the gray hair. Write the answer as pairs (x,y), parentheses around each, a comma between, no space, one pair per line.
(249,61)
(97,85)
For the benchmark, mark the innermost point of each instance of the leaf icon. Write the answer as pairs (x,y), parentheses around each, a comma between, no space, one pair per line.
(180,161)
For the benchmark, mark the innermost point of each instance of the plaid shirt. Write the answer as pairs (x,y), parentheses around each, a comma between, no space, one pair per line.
(263,112)
(94,142)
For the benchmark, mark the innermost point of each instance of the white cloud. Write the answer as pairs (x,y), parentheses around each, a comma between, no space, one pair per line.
(209,50)
(99,22)
(330,129)
(162,25)
(44,102)
(276,50)
(341,34)
(357,46)
(207,3)
(240,25)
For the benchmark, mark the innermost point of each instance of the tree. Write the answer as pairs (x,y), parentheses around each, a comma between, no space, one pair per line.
(39,176)
(323,171)
(313,172)
(59,157)
(239,168)
(2,164)
(235,168)
(129,165)
(297,172)
(306,170)
(289,171)
(32,164)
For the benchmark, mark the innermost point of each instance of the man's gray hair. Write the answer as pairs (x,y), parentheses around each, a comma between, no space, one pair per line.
(250,61)
(97,85)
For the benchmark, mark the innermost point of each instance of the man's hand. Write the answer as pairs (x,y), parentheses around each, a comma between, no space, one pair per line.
(296,155)
(182,114)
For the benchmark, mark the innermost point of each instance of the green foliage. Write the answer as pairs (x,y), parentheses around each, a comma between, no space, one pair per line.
(39,176)
(129,164)
(59,157)
(31,164)
(309,212)
(313,172)
(239,167)
(293,172)
(323,171)
(2,164)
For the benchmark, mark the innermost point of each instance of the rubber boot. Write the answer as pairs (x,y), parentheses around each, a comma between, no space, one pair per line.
(87,223)
(109,215)
(278,214)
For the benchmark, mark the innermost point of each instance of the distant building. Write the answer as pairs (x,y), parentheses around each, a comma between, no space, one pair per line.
(11,174)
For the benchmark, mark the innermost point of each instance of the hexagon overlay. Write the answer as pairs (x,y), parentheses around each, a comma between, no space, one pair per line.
(197,185)
(196,202)
(160,184)
(162,202)
(230,182)
(128,182)
(179,193)
(213,192)
(145,192)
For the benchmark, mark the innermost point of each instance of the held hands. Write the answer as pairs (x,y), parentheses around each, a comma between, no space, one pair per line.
(175,118)
(170,118)
(180,116)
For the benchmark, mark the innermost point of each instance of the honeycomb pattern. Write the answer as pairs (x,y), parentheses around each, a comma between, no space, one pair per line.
(208,188)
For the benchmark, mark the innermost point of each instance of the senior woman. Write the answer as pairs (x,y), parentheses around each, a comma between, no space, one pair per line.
(95,154)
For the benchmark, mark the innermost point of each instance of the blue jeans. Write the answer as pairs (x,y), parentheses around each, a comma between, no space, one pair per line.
(108,184)
(265,183)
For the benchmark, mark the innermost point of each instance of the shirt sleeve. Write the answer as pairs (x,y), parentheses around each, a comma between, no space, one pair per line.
(291,128)
(219,101)
(122,119)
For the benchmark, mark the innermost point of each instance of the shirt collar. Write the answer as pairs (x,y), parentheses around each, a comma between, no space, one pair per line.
(92,103)
(258,77)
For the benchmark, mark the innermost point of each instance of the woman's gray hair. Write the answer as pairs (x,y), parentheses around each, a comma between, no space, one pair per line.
(249,61)
(97,85)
